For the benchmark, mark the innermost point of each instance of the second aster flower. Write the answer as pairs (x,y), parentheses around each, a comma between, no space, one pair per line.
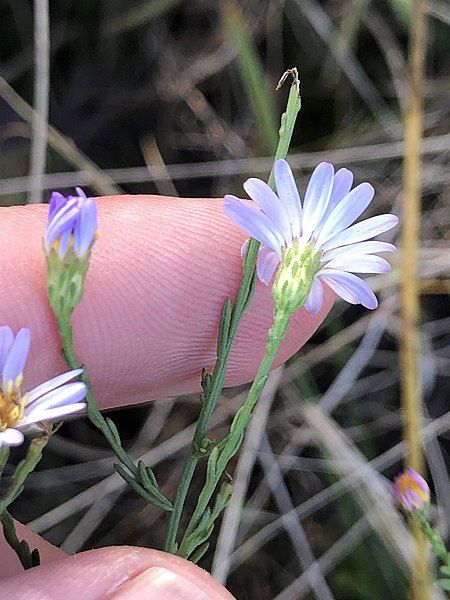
(50,401)
(313,242)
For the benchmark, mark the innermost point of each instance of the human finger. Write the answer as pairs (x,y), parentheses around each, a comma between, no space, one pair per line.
(116,573)
(160,271)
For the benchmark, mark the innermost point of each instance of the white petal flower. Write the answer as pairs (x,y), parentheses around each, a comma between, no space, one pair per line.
(322,231)
(49,401)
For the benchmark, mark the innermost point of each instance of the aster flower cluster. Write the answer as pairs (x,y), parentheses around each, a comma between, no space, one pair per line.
(48,402)
(314,242)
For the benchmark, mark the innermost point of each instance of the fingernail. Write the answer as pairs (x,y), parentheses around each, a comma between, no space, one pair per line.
(158,580)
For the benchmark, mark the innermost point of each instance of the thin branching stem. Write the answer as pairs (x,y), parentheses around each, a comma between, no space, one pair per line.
(213,383)
(232,442)
(139,477)
(28,558)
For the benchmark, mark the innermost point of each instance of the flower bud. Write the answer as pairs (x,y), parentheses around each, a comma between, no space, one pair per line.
(70,235)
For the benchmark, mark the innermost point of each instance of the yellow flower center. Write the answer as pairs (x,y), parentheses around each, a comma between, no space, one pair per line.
(57,242)
(12,407)
(405,485)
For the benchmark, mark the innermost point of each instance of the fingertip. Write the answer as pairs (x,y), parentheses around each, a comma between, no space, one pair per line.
(172,578)
(118,573)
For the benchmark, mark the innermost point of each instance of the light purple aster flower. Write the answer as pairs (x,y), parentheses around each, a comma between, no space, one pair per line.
(321,228)
(72,224)
(410,490)
(48,402)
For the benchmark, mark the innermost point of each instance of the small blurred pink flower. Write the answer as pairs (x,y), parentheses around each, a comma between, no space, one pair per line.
(410,490)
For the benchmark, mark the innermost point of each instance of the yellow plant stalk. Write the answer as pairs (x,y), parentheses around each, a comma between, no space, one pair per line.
(411,397)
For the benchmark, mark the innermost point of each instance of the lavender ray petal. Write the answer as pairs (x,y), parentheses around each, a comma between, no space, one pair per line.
(51,385)
(346,212)
(59,226)
(69,204)
(80,192)
(339,289)
(11,437)
(288,193)
(352,286)
(53,414)
(314,301)
(360,248)
(357,263)
(244,248)
(64,241)
(71,393)
(17,357)
(342,184)
(266,264)
(271,206)
(86,227)
(361,231)
(317,197)
(418,479)
(6,341)
(412,499)
(405,501)
(253,221)
(57,201)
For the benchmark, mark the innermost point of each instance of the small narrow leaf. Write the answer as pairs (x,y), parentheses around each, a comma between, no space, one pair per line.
(206,381)
(444,583)
(224,327)
(35,558)
(199,553)
(157,500)
(113,429)
(211,466)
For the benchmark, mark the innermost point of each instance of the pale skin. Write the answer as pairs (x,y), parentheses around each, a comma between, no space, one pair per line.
(160,272)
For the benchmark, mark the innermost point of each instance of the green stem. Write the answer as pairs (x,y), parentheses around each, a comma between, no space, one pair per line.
(240,421)
(433,536)
(139,477)
(210,399)
(274,338)
(23,469)
(28,558)
(243,299)
(66,333)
